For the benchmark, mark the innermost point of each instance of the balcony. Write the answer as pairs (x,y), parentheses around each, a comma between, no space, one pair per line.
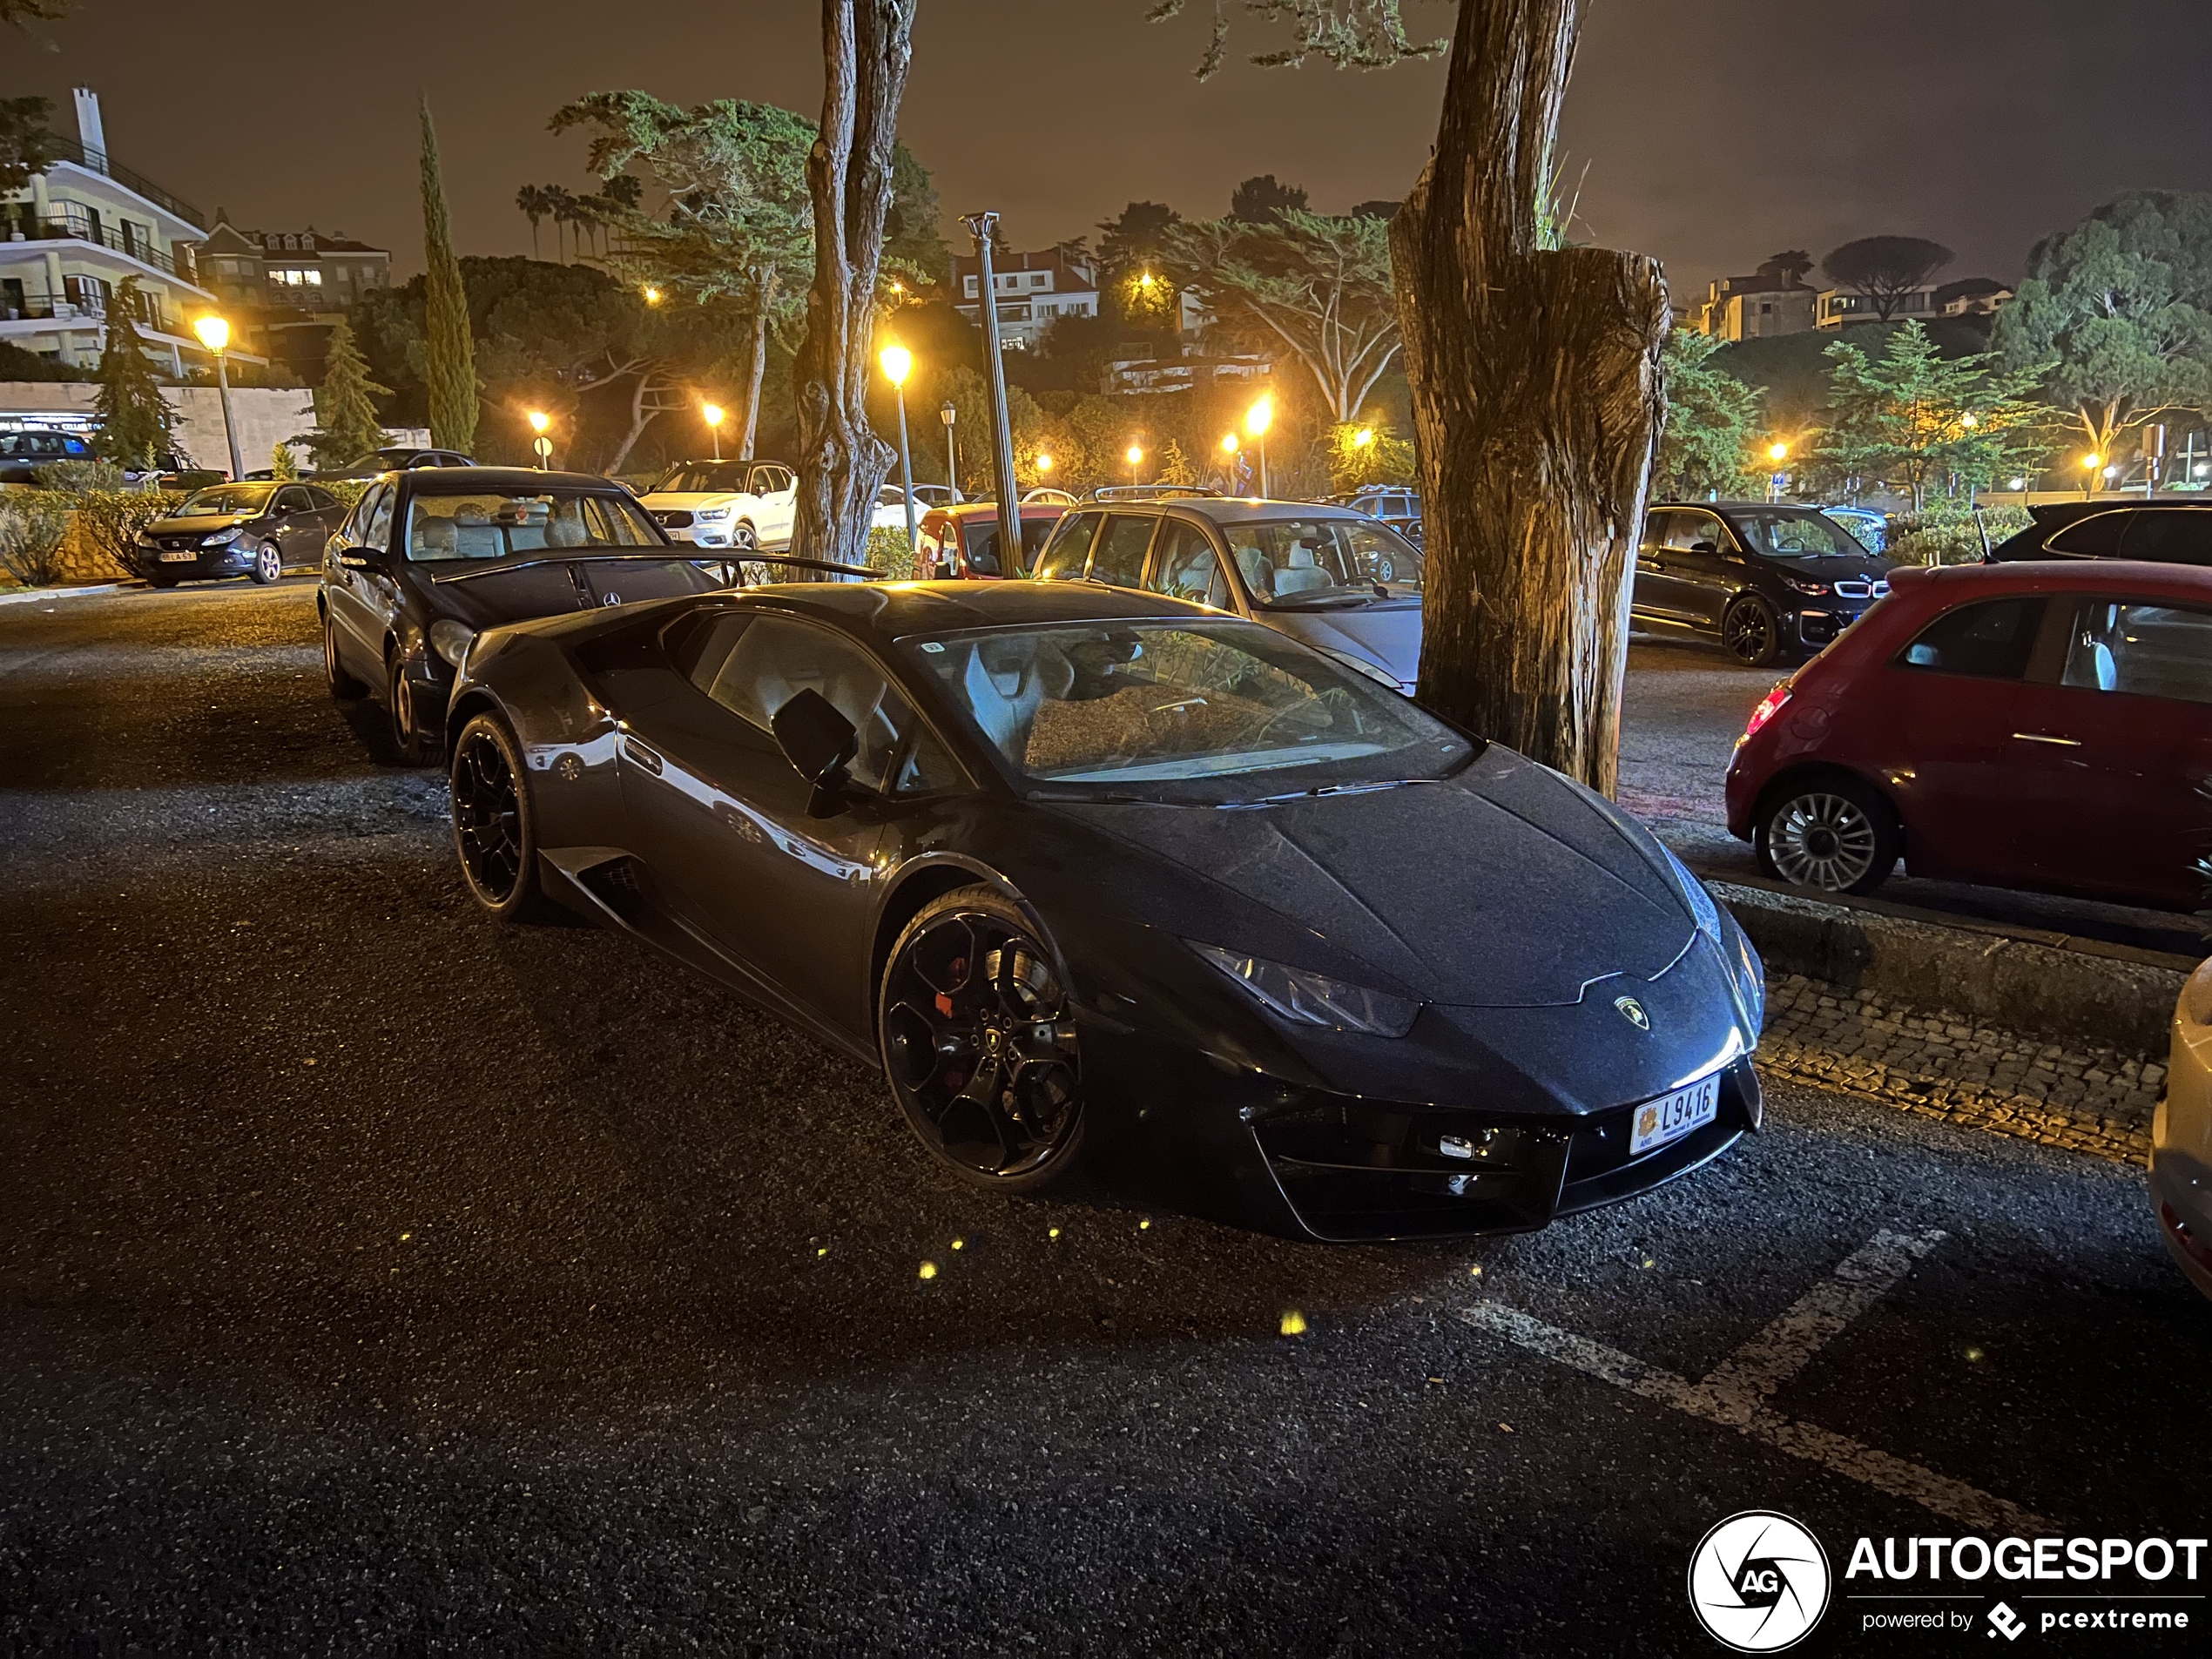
(61,149)
(71,221)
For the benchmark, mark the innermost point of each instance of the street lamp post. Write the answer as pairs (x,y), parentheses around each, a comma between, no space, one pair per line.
(983,227)
(2090,463)
(539,421)
(1135,459)
(713,413)
(1257,423)
(948,414)
(1778,452)
(898,362)
(215,334)
(1228,448)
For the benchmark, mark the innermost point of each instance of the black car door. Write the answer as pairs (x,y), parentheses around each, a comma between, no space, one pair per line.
(358,587)
(1702,568)
(292,524)
(1650,597)
(723,821)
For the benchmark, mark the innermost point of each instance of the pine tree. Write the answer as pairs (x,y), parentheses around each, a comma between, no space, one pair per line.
(1174,466)
(346,428)
(132,416)
(448,350)
(282,467)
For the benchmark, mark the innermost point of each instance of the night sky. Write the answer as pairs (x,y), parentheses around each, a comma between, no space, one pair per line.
(1715,131)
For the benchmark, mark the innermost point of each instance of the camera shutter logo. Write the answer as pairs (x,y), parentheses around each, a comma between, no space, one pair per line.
(1758,1582)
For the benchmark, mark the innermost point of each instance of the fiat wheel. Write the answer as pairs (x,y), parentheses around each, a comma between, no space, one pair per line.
(268,563)
(979,1042)
(494,829)
(1750,632)
(1835,835)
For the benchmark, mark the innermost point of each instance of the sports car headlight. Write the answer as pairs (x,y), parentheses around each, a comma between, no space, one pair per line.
(451,640)
(711,515)
(1313,999)
(1380,676)
(1701,909)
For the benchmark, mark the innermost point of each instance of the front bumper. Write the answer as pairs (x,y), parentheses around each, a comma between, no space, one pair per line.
(201,562)
(1815,628)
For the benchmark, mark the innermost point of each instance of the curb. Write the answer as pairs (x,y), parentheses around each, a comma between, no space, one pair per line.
(2110,996)
(31,595)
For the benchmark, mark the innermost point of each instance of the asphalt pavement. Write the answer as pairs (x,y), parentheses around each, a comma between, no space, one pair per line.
(375,1279)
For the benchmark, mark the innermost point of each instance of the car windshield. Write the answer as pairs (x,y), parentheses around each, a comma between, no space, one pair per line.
(704,478)
(227,498)
(1168,711)
(497,523)
(1780,534)
(1314,563)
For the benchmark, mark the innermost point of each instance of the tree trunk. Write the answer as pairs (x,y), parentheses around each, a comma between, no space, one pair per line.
(640,418)
(756,362)
(866,45)
(1538,397)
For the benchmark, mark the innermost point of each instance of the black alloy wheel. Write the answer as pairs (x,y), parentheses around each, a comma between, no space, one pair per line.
(1751,633)
(416,747)
(343,686)
(979,1043)
(493,830)
(1833,833)
(268,563)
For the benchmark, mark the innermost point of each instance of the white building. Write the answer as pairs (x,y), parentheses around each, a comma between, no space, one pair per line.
(69,239)
(1034,290)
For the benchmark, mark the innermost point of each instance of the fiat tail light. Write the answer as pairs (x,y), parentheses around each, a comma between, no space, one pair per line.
(1769,705)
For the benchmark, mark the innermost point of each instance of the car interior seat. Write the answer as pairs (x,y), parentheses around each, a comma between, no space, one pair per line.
(1007,680)
(1300,574)
(434,538)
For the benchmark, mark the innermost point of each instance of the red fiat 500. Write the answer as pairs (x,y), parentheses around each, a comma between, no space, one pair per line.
(2041,726)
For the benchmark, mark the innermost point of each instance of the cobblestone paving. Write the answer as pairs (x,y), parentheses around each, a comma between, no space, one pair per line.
(2093,1100)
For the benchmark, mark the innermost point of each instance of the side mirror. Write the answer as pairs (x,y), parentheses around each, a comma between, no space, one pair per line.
(819,743)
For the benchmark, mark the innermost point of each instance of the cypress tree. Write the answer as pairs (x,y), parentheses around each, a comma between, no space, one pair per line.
(347,428)
(448,351)
(133,418)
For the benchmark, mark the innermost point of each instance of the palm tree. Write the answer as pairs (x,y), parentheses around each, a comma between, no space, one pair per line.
(531,199)
(561,208)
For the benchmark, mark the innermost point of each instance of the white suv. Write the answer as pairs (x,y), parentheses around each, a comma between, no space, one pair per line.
(739,504)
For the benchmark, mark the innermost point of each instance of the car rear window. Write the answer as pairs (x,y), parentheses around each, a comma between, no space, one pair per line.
(2095,538)
(1990,639)
(2170,536)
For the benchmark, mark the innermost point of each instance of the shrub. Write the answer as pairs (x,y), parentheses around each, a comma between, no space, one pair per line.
(349,490)
(34,524)
(1944,533)
(890,552)
(108,522)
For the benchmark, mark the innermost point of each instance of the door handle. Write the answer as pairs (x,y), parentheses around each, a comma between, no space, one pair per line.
(2045,737)
(643,756)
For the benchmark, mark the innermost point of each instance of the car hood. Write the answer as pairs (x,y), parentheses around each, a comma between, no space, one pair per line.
(1505,887)
(1387,632)
(688,500)
(1833,567)
(199,523)
(487,597)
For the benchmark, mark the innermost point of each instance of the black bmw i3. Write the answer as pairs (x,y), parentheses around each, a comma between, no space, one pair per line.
(1083,868)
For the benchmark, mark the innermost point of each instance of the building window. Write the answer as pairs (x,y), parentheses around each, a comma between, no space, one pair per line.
(1037,281)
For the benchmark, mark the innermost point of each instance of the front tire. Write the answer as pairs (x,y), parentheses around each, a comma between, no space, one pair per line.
(268,564)
(1751,633)
(416,747)
(495,828)
(1834,834)
(979,1040)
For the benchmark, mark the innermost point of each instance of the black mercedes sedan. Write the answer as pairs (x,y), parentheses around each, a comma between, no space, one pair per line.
(238,530)
(1086,870)
(430,556)
(1766,580)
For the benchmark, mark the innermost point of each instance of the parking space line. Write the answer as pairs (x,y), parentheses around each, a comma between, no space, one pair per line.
(1733,1394)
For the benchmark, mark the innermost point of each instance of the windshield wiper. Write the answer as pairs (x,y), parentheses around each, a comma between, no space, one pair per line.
(1321,790)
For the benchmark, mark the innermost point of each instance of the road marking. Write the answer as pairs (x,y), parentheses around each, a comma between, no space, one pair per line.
(1734,1393)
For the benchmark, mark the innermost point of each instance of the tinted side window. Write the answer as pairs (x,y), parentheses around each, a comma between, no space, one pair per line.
(380,520)
(2146,651)
(1689,529)
(323,499)
(1186,567)
(355,530)
(1656,526)
(778,657)
(2095,538)
(1118,560)
(1063,560)
(2173,535)
(291,499)
(767,481)
(1991,640)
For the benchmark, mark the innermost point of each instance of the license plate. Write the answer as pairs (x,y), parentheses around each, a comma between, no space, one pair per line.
(1672,1116)
(178,558)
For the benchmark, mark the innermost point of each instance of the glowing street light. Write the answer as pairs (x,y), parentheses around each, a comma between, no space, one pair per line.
(1777,452)
(897,363)
(714,414)
(1364,438)
(215,334)
(1044,463)
(2020,483)
(1229,443)
(1135,456)
(1257,421)
(652,294)
(539,421)
(1970,419)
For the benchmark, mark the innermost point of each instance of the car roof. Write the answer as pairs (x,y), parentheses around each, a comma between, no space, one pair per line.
(1229,509)
(2122,578)
(1741,506)
(894,609)
(967,510)
(515,478)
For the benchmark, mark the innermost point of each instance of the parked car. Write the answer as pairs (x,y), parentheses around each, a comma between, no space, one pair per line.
(1396,506)
(1050,496)
(238,530)
(430,556)
(937,495)
(400,457)
(2181,1136)
(1152,492)
(1766,581)
(2041,726)
(1338,580)
(23,453)
(958,543)
(2160,532)
(741,505)
(1870,529)
(947,829)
